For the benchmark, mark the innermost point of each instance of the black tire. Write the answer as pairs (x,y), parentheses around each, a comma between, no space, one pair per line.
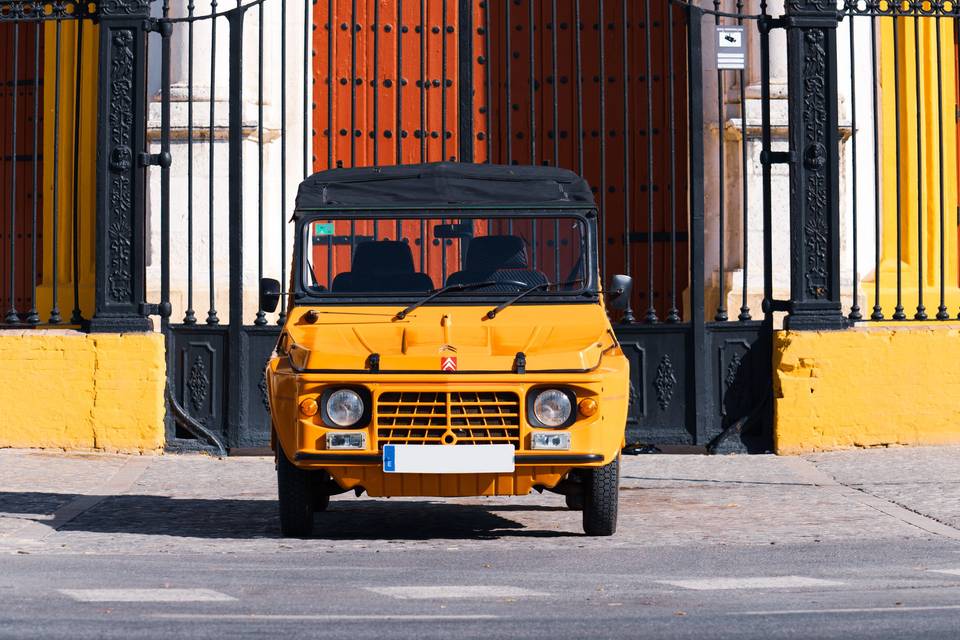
(296,496)
(320,501)
(601,495)
(574,501)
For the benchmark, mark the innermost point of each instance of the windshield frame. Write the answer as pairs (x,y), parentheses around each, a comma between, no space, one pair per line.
(303,295)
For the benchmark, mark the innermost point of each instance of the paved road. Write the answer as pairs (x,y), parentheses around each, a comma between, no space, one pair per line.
(849,545)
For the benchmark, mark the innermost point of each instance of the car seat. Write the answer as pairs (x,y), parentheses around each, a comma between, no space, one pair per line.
(497,258)
(382,266)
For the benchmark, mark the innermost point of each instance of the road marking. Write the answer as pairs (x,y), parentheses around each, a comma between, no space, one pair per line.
(771,582)
(345,617)
(146,595)
(482,591)
(787,612)
(952,572)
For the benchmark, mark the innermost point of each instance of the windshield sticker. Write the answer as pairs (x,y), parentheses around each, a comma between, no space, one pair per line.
(323,229)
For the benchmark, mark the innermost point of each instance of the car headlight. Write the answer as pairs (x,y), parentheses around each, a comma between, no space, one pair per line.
(344,408)
(553,408)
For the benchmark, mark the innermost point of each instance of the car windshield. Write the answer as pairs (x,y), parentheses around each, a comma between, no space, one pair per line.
(409,255)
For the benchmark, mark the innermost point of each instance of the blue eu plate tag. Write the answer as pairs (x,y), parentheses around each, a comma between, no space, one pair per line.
(389,458)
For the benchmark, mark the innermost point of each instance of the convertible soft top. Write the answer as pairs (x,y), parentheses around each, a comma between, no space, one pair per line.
(441,184)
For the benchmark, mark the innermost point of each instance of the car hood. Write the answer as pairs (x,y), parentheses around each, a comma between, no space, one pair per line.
(570,337)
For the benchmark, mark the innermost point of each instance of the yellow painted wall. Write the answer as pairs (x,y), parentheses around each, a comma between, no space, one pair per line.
(70,390)
(59,175)
(920,170)
(871,386)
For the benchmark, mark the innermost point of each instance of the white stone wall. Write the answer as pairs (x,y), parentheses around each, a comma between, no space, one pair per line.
(277,195)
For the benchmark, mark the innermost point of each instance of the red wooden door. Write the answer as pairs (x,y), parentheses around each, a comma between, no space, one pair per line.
(387,79)
(595,120)
(21,164)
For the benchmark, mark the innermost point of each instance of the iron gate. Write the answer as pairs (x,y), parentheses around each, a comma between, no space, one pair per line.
(624,92)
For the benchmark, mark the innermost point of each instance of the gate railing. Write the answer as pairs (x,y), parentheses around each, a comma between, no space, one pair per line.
(465,79)
(896,235)
(899,249)
(46,198)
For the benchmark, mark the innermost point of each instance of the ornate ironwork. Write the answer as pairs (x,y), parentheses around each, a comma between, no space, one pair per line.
(121,196)
(121,203)
(124,7)
(262,386)
(733,368)
(198,383)
(665,381)
(814,170)
(814,160)
(31,11)
(944,8)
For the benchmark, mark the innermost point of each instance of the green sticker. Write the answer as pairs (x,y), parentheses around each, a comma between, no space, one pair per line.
(323,229)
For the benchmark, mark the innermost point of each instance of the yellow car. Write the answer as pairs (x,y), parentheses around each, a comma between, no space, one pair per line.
(445,334)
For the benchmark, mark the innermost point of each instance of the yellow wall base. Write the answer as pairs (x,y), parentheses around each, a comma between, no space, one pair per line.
(865,387)
(71,390)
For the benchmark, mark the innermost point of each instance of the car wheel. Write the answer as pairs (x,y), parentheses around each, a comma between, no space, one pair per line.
(297,504)
(574,502)
(600,499)
(320,501)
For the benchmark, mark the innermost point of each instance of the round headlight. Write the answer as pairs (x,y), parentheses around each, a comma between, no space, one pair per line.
(344,407)
(552,408)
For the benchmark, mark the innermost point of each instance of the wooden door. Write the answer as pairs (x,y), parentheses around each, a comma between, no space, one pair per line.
(21,162)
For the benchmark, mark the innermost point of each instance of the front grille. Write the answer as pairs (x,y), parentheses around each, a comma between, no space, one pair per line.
(448,417)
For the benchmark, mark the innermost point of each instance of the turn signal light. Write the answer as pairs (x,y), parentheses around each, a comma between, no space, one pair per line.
(309,407)
(588,407)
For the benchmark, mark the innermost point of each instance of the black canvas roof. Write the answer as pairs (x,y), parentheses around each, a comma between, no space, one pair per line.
(443,183)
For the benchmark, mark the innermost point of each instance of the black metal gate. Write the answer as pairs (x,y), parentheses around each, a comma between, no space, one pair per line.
(699,374)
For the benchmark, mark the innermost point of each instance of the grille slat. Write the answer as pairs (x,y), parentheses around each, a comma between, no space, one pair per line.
(467,417)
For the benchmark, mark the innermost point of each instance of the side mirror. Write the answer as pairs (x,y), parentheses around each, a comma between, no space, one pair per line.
(618,294)
(269,294)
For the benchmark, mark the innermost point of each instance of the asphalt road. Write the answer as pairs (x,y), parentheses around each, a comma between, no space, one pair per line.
(855,590)
(839,546)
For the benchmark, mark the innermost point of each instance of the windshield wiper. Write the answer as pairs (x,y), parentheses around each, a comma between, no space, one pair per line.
(543,285)
(439,292)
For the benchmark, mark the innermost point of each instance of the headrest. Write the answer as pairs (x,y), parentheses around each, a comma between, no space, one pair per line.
(492,253)
(382,257)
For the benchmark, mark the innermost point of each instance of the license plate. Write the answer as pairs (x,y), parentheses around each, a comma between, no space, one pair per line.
(426,458)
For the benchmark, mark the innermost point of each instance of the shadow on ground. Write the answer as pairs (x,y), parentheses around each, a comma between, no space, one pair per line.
(346,519)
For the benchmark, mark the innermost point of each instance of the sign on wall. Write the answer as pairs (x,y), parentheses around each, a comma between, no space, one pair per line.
(731,48)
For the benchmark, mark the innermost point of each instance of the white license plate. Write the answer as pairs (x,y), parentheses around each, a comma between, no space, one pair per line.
(437,458)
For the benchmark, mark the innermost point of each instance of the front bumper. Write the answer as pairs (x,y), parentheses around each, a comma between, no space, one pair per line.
(519,459)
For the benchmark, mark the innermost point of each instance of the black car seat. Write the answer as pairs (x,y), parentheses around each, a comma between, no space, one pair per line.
(382,266)
(497,258)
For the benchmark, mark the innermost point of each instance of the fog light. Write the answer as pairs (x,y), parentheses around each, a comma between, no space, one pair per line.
(349,440)
(309,407)
(588,407)
(550,440)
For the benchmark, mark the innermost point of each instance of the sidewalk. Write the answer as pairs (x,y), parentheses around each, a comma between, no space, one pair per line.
(98,503)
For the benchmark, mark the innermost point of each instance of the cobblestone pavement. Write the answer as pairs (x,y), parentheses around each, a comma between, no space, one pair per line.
(922,479)
(94,503)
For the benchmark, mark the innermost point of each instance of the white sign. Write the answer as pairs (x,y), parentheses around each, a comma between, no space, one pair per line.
(731,48)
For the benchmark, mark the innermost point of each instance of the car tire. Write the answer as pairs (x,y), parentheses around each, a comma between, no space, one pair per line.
(320,501)
(296,498)
(574,501)
(601,489)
